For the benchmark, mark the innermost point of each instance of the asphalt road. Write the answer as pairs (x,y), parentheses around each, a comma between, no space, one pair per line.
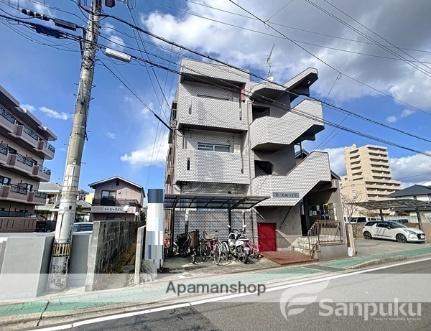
(406,282)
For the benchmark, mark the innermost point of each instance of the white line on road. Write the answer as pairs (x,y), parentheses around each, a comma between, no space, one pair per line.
(225,297)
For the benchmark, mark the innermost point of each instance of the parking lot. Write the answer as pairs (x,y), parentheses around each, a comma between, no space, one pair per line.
(366,247)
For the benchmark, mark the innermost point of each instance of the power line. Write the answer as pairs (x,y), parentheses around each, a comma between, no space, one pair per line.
(425,72)
(324,102)
(287,107)
(300,29)
(373,32)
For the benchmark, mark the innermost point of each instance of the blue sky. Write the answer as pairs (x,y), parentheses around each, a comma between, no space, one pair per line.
(121,132)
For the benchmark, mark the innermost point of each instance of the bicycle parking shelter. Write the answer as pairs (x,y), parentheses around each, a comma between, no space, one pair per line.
(227,202)
(405,205)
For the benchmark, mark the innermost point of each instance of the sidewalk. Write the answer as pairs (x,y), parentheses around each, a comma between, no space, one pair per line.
(72,306)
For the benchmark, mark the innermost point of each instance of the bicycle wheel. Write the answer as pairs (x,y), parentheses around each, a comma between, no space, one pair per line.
(217,253)
(224,256)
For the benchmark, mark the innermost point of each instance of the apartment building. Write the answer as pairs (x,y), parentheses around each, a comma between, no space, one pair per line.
(235,137)
(368,175)
(49,210)
(24,147)
(116,198)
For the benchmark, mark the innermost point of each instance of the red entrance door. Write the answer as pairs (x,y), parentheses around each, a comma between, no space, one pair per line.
(266,237)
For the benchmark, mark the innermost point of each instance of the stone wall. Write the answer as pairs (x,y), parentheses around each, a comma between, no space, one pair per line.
(109,240)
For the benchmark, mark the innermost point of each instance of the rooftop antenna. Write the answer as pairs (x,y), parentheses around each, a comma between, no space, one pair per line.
(269,64)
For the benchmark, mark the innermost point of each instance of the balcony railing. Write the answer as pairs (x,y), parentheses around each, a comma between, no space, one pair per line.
(14,213)
(18,189)
(275,132)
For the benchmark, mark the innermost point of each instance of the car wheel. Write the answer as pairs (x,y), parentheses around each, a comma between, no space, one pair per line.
(401,238)
(367,235)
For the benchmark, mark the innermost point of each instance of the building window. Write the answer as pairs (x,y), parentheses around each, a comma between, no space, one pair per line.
(214,147)
(108,198)
(4,180)
(188,163)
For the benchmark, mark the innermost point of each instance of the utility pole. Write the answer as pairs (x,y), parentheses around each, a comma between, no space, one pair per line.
(66,216)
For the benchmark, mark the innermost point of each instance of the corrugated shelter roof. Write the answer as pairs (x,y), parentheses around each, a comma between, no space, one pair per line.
(211,201)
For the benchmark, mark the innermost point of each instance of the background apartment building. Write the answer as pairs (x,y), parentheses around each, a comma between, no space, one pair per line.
(24,146)
(116,198)
(232,137)
(368,175)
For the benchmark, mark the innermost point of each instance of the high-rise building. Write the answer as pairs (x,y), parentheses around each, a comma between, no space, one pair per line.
(234,139)
(24,146)
(368,175)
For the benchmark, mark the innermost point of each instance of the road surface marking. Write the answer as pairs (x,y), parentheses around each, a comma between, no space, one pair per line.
(225,297)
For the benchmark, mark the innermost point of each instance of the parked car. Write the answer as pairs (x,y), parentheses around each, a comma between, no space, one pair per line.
(361,220)
(392,231)
(83,227)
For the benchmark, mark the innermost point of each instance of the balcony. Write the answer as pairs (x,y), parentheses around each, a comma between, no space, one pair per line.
(272,133)
(211,113)
(47,149)
(3,154)
(14,193)
(27,135)
(210,167)
(42,173)
(39,198)
(290,189)
(7,121)
(20,163)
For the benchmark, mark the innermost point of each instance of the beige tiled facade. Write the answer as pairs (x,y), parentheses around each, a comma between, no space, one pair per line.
(368,174)
(24,146)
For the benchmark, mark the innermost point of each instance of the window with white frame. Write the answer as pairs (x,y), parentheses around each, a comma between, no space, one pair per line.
(214,147)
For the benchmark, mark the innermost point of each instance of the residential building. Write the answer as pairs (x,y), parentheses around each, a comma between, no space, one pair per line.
(116,198)
(49,210)
(368,175)
(416,192)
(24,147)
(231,137)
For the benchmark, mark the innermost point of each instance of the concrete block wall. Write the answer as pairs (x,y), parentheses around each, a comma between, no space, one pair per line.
(24,265)
(109,240)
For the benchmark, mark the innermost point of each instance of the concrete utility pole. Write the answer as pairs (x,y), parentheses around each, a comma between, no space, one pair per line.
(66,215)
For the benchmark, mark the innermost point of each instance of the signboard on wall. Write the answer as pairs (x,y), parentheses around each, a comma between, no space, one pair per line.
(285,195)
(113,209)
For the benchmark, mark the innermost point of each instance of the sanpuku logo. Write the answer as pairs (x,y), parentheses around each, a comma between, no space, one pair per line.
(294,300)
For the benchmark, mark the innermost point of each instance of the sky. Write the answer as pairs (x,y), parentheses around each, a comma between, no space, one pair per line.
(387,80)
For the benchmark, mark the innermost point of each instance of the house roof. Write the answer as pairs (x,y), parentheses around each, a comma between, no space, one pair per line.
(49,187)
(92,185)
(412,191)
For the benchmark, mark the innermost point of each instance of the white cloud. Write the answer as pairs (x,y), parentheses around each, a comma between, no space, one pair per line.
(391,119)
(54,114)
(111,135)
(30,108)
(115,41)
(406,113)
(150,154)
(412,169)
(249,49)
(336,159)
